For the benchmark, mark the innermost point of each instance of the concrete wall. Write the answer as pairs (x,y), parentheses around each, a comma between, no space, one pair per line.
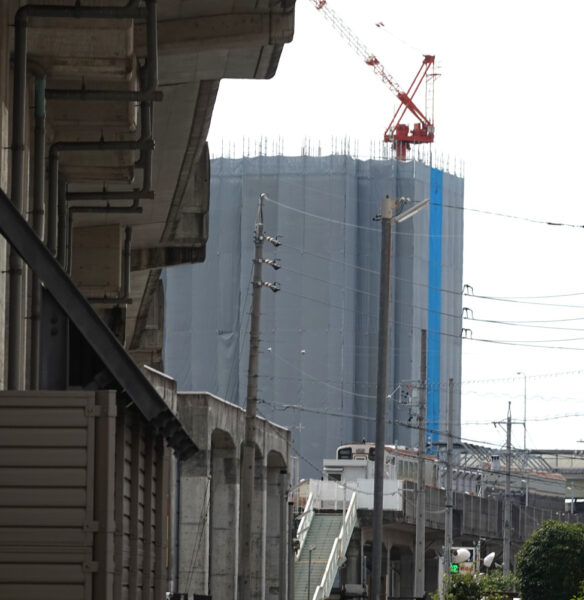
(318,358)
(206,503)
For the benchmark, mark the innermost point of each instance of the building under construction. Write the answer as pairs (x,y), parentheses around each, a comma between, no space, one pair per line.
(318,351)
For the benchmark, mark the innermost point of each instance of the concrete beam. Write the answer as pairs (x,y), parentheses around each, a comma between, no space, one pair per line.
(165,256)
(219,32)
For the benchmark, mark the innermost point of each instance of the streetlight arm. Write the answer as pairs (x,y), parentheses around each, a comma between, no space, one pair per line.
(410,212)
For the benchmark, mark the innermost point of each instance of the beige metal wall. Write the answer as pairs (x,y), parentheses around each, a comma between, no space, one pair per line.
(82,499)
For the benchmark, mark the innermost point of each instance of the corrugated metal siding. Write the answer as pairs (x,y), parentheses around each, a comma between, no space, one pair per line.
(46,495)
(82,499)
(140,511)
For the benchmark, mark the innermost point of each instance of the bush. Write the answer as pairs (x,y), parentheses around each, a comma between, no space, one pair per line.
(462,587)
(550,564)
(492,586)
(496,585)
(580,594)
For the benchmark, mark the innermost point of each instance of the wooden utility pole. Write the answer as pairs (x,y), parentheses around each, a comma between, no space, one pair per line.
(420,555)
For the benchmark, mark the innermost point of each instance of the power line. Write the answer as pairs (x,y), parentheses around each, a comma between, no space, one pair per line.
(510,300)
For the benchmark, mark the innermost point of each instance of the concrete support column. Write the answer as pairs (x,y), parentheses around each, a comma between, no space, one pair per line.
(352,570)
(275,533)
(407,573)
(224,523)
(394,572)
(195,498)
(259,526)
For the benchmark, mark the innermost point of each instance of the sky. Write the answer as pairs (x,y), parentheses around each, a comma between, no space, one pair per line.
(507,113)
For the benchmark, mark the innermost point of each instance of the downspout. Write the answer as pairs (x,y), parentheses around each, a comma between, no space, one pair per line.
(52,207)
(62,211)
(14,381)
(38,224)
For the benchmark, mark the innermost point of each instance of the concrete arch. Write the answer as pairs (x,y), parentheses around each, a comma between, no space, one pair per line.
(210,499)
(276,460)
(222,439)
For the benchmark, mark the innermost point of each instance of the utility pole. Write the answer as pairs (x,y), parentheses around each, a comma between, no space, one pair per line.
(248,453)
(387,220)
(507,502)
(382,351)
(419,579)
(449,492)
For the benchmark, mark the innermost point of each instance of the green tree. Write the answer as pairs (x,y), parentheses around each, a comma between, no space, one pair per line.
(461,587)
(492,586)
(496,585)
(580,594)
(550,564)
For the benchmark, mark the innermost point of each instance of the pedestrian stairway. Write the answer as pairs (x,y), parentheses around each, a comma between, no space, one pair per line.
(324,529)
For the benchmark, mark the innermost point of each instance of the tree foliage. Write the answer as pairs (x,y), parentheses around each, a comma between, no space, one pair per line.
(494,586)
(580,594)
(463,587)
(550,564)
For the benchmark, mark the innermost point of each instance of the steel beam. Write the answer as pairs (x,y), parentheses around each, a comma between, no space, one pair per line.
(130,378)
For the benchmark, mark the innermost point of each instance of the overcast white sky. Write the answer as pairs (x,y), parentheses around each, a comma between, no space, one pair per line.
(509,106)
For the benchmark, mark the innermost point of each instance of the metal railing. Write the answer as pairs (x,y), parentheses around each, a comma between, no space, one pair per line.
(338,551)
(304,524)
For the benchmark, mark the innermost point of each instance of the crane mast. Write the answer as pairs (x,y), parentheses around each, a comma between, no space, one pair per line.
(397,133)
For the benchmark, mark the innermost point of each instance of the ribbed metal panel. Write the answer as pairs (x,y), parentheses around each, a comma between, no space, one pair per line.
(82,499)
(47,525)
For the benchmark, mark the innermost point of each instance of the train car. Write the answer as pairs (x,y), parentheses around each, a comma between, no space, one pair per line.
(401,462)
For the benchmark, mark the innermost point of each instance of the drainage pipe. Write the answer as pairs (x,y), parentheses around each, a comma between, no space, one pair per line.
(62,211)
(38,224)
(143,194)
(52,207)
(57,201)
(131,10)
(14,379)
(109,210)
(144,161)
(147,92)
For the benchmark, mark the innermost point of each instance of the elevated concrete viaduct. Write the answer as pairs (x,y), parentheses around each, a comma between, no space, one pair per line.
(105,107)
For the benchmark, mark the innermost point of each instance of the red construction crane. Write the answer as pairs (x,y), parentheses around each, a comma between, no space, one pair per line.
(399,134)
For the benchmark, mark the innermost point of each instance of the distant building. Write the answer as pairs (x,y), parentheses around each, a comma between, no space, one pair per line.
(318,362)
